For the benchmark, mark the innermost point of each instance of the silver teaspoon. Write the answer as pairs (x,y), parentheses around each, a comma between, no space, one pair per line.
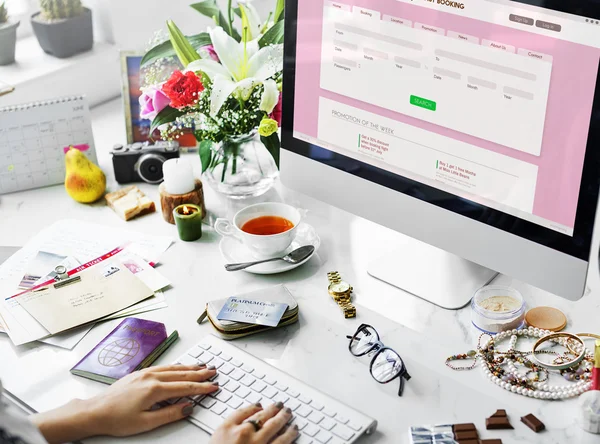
(295,257)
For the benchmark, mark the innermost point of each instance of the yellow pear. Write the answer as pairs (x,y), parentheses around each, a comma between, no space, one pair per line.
(85,182)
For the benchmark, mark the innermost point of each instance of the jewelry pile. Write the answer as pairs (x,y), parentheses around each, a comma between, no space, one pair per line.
(501,367)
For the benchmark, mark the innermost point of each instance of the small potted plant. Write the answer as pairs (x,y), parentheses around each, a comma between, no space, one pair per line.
(63,27)
(8,37)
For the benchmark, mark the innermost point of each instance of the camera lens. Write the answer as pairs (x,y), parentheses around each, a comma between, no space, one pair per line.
(149,167)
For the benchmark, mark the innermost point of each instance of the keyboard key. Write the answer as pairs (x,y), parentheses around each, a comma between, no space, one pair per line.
(237,362)
(281,397)
(329,412)
(301,423)
(221,379)
(247,368)
(293,393)
(303,439)
(195,352)
(343,432)
(304,411)
(226,369)
(355,425)
(323,437)
(253,398)
(242,392)
(281,387)
(207,402)
(315,417)
(188,360)
(327,423)
(258,375)
(293,404)
(218,408)
(205,346)
(316,405)
(206,358)
(215,351)
(340,418)
(232,386)
(259,386)
(237,374)
(247,380)
(305,399)
(270,380)
(223,396)
(217,363)
(235,402)
(207,417)
(225,357)
(269,392)
(226,413)
(311,430)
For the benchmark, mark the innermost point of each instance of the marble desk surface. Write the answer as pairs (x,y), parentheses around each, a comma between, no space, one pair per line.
(315,349)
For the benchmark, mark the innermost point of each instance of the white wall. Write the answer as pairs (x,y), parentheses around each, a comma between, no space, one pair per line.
(135,21)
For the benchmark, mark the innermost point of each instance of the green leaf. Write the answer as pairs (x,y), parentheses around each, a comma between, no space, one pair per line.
(205,152)
(210,9)
(165,49)
(273,36)
(272,145)
(183,48)
(167,115)
(279,10)
(238,11)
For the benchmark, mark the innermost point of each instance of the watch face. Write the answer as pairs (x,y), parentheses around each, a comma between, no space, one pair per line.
(340,287)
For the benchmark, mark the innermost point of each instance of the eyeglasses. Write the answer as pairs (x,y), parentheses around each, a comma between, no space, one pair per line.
(386,364)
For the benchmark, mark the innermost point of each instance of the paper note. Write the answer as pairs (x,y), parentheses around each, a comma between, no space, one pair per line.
(103,289)
(252,312)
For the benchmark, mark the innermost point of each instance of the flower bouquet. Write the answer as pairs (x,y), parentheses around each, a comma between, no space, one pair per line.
(228,92)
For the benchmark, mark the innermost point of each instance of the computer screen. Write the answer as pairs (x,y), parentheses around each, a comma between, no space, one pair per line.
(483,107)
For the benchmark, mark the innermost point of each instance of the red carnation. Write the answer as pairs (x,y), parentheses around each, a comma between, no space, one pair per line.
(183,89)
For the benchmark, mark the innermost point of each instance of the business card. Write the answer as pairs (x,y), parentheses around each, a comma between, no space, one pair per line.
(249,311)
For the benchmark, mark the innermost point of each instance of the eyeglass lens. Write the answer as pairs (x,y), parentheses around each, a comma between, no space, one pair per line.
(387,366)
(364,341)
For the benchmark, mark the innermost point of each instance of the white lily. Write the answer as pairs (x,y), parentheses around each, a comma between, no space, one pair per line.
(270,96)
(243,67)
(254,24)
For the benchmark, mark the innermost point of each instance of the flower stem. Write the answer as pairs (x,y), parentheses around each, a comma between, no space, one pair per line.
(230,17)
(224,169)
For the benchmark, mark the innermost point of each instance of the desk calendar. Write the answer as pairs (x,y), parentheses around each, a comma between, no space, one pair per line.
(34,138)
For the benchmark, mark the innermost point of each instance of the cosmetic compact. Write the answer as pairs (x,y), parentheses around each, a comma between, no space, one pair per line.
(496,308)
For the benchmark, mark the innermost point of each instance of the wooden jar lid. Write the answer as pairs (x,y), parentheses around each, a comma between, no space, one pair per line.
(546,318)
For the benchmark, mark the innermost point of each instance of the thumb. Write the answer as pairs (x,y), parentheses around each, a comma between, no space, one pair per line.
(168,414)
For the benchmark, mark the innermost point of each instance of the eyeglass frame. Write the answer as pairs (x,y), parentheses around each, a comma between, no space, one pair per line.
(380,347)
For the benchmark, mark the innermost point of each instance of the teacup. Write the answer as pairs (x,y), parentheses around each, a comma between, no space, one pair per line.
(261,245)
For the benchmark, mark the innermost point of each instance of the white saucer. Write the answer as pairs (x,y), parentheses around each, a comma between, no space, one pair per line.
(234,251)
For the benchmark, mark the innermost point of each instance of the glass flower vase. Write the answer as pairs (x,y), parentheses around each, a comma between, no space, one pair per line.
(241,167)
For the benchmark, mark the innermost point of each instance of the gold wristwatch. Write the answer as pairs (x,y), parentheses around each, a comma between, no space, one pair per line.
(341,292)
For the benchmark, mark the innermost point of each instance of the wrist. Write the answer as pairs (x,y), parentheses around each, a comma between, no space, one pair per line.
(76,420)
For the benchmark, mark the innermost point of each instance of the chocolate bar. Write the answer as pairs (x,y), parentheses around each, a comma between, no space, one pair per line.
(490,441)
(469,441)
(464,427)
(497,423)
(533,423)
(500,412)
(467,434)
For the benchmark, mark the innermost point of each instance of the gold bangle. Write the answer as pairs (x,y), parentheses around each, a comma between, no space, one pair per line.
(566,365)
(582,335)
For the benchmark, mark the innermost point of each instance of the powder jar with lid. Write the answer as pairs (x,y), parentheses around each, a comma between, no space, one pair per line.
(495,308)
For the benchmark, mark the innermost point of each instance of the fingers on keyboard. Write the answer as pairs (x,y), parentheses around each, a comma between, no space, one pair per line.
(288,436)
(274,425)
(243,414)
(194,376)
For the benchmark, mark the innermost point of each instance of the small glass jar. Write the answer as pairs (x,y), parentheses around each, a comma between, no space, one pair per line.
(496,308)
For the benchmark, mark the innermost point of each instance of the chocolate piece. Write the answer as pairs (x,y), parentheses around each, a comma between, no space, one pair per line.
(469,441)
(464,427)
(500,412)
(467,434)
(490,441)
(533,423)
(497,423)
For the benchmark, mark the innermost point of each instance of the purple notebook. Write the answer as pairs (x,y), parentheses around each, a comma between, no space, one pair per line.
(135,344)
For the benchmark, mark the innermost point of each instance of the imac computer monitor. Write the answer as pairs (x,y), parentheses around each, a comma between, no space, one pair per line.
(472,126)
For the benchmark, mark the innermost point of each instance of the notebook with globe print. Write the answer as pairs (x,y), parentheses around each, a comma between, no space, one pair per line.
(134,345)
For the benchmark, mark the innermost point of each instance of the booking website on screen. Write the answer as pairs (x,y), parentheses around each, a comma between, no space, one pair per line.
(487,101)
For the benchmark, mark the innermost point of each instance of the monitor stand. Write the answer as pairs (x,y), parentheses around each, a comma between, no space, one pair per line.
(432,274)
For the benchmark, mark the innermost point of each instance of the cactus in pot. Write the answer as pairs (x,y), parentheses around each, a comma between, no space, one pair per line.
(60,9)
(63,27)
(8,36)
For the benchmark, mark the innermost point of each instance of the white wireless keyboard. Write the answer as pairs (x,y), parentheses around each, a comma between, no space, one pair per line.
(244,380)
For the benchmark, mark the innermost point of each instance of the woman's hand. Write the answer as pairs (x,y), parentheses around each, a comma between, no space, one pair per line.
(125,408)
(272,426)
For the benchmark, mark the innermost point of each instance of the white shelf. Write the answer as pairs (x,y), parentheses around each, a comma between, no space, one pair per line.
(38,76)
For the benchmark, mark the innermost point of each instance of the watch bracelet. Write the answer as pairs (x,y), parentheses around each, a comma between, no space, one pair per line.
(343,301)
